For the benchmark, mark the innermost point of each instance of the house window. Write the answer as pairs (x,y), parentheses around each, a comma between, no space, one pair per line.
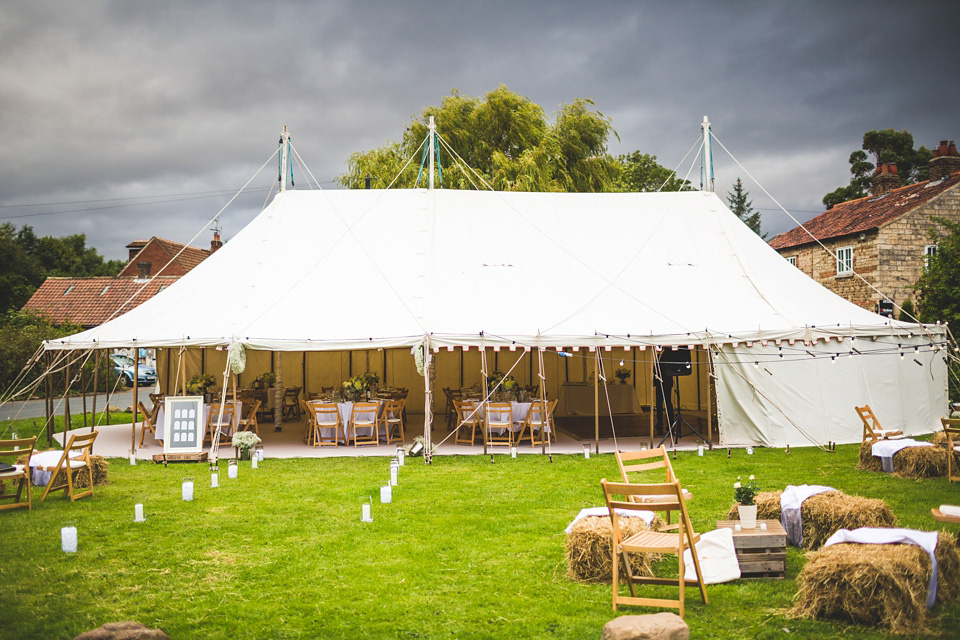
(792,260)
(928,250)
(845,261)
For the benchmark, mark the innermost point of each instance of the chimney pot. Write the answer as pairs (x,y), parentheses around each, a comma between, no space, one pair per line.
(215,243)
(952,149)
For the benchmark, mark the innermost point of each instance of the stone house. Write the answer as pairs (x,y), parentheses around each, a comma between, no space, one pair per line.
(153,266)
(883,238)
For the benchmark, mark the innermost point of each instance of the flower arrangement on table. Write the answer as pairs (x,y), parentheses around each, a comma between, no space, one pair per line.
(244,441)
(264,380)
(200,383)
(372,379)
(623,374)
(354,388)
(745,494)
(503,386)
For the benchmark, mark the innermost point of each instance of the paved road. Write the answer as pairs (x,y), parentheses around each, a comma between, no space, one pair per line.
(34,408)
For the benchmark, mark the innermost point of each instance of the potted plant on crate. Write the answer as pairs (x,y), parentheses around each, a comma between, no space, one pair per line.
(744,494)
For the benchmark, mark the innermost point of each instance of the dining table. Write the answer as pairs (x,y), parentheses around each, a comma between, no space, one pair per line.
(346,413)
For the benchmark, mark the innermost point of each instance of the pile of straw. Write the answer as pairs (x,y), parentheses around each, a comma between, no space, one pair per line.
(883,585)
(912,462)
(589,549)
(940,440)
(825,513)
(97,463)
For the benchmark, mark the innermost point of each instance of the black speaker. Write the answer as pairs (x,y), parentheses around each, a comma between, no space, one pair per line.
(675,363)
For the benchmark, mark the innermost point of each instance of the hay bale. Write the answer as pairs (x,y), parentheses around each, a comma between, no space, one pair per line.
(589,550)
(98,464)
(882,585)
(825,513)
(912,462)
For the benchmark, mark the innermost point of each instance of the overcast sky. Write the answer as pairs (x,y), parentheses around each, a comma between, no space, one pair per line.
(123,120)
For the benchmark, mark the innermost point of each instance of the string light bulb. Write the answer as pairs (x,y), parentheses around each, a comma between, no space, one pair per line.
(621,363)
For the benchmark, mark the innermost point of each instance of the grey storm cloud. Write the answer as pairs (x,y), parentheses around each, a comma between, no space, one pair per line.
(123,120)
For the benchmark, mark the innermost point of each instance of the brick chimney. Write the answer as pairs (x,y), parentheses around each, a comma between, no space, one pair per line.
(215,243)
(886,178)
(134,248)
(945,160)
(143,270)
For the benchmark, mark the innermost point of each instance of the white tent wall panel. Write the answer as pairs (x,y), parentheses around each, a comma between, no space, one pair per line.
(795,400)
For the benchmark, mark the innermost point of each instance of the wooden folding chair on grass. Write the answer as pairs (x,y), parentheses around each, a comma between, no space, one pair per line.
(872,431)
(666,496)
(951,427)
(19,474)
(75,459)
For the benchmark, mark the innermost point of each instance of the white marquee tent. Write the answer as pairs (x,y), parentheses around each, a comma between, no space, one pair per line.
(362,269)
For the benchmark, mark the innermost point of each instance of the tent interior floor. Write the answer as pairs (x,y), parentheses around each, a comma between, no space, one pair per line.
(636,426)
(114,440)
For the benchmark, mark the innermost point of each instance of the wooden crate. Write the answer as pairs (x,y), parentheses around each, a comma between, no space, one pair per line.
(762,554)
(179,457)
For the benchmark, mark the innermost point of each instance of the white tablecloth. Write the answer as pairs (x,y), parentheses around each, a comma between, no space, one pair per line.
(39,477)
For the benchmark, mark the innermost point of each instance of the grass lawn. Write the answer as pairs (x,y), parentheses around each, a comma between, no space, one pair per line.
(468,549)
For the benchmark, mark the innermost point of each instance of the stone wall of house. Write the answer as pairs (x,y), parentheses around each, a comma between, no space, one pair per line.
(816,262)
(891,258)
(902,242)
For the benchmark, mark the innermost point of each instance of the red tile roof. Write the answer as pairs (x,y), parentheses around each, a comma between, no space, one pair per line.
(92,301)
(190,257)
(864,214)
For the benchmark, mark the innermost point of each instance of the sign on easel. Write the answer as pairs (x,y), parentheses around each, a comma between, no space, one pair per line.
(183,424)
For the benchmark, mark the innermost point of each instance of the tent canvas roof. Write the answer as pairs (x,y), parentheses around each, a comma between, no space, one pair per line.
(331,270)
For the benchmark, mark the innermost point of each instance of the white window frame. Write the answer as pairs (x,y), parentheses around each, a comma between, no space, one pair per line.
(928,250)
(792,260)
(845,261)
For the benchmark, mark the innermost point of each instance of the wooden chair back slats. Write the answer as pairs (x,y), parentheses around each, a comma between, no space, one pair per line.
(872,429)
(951,427)
(147,422)
(468,422)
(324,416)
(364,417)
(10,452)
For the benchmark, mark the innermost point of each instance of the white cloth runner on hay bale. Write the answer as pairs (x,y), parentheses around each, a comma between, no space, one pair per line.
(717,556)
(884,449)
(790,502)
(926,540)
(605,512)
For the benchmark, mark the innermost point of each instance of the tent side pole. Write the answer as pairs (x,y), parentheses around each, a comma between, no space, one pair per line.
(710,394)
(596,402)
(97,356)
(483,378)
(278,395)
(428,398)
(67,422)
(136,407)
(83,395)
(652,404)
(48,399)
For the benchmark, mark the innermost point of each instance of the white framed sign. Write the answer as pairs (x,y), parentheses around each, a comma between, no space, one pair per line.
(183,424)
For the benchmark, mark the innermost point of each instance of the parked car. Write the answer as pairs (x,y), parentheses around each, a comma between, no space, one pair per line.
(123,365)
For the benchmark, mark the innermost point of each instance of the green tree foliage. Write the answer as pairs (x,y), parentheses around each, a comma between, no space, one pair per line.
(20,336)
(938,289)
(743,208)
(907,312)
(26,260)
(641,172)
(504,137)
(885,146)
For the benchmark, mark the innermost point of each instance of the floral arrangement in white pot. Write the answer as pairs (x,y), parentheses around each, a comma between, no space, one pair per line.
(744,494)
(245,440)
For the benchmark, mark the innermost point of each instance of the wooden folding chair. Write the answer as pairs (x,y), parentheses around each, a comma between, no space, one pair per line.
(391,420)
(364,417)
(469,422)
(639,463)
(651,497)
(147,422)
(248,419)
(498,423)
(226,423)
(450,409)
(951,427)
(75,458)
(872,431)
(291,404)
(536,425)
(10,452)
(325,423)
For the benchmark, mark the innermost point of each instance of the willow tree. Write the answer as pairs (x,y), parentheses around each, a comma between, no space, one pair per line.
(504,137)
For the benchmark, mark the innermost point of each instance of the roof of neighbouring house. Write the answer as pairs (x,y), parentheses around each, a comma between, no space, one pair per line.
(92,301)
(188,257)
(864,214)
